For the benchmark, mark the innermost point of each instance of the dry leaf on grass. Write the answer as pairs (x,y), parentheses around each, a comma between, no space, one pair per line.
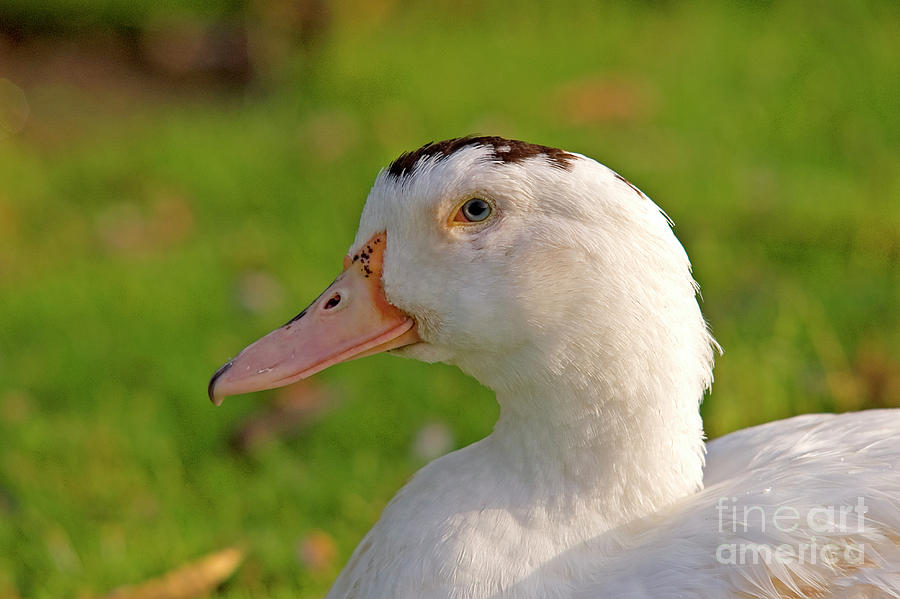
(432,441)
(317,551)
(194,579)
(596,99)
(258,292)
(6,590)
(138,227)
(878,372)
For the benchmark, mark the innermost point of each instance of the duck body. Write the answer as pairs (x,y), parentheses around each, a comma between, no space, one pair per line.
(767,489)
(558,284)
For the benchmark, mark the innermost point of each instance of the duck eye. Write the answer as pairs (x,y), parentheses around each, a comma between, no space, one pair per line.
(474,211)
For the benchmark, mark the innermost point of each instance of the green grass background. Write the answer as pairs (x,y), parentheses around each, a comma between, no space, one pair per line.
(769,132)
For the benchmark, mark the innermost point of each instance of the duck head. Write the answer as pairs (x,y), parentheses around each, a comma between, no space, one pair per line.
(517,262)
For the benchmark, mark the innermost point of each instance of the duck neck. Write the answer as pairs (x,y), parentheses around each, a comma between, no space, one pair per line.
(622,449)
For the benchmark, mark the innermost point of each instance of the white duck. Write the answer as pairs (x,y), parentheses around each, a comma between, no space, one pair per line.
(558,284)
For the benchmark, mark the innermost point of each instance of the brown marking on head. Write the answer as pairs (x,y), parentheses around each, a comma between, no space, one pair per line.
(629,184)
(507,151)
(369,257)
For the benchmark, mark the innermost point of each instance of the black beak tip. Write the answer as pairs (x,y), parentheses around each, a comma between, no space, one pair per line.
(211,389)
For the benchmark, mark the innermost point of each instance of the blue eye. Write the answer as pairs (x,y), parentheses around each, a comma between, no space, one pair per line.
(476,210)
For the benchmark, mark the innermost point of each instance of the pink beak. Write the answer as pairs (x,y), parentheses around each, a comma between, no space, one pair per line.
(351,319)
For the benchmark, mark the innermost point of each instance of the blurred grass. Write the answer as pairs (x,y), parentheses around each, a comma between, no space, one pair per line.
(768,132)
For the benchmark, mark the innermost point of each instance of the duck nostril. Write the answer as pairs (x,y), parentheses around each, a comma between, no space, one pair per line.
(333,301)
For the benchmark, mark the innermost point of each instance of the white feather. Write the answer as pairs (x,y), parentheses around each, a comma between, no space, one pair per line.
(577,306)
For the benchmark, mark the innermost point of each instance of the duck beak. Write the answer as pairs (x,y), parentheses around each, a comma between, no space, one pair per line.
(351,319)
